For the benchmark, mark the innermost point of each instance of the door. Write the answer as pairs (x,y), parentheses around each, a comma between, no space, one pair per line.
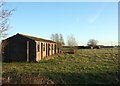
(46,49)
(55,49)
(41,50)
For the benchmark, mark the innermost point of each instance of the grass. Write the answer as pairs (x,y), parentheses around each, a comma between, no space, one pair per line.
(84,67)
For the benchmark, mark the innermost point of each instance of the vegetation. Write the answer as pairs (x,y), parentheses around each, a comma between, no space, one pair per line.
(71,41)
(4,25)
(92,42)
(87,66)
(4,16)
(58,38)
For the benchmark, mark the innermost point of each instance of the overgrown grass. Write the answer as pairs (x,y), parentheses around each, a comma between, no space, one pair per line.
(84,67)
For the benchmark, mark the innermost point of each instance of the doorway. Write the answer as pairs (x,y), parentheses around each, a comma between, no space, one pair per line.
(46,49)
(41,50)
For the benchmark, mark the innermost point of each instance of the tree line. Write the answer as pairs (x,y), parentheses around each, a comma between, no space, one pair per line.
(71,40)
(58,38)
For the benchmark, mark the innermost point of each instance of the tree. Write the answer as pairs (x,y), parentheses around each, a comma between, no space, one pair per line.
(4,17)
(52,37)
(4,25)
(92,42)
(61,39)
(58,38)
(71,41)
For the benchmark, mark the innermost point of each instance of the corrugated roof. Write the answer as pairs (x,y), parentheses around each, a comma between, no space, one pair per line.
(36,38)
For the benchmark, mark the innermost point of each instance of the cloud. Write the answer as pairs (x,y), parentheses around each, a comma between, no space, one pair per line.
(96,16)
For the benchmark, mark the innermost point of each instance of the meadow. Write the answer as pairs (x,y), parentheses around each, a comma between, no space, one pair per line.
(86,66)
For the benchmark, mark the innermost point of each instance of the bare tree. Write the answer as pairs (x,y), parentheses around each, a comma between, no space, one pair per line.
(4,25)
(58,38)
(61,39)
(52,37)
(92,42)
(4,17)
(71,41)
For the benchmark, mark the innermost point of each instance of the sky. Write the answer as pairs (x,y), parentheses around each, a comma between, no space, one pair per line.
(84,20)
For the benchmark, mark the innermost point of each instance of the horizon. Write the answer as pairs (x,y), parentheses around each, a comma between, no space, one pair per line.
(85,20)
(63,45)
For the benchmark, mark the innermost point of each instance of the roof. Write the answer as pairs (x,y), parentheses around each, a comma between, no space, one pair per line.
(36,38)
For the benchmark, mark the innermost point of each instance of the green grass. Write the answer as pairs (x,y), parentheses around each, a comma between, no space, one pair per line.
(84,67)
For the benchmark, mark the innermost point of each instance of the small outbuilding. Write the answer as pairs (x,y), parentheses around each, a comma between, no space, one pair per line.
(24,48)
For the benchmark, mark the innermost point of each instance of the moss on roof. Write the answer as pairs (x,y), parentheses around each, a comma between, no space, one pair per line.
(36,38)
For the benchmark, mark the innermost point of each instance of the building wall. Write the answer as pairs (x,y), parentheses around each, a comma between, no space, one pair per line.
(38,53)
(44,49)
(20,48)
(15,49)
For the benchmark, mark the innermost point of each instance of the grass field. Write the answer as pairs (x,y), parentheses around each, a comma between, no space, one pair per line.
(86,66)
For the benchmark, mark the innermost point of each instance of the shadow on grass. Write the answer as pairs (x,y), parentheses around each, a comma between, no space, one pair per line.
(84,78)
(60,78)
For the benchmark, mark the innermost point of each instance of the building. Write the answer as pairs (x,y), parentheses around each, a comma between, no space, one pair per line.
(24,48)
